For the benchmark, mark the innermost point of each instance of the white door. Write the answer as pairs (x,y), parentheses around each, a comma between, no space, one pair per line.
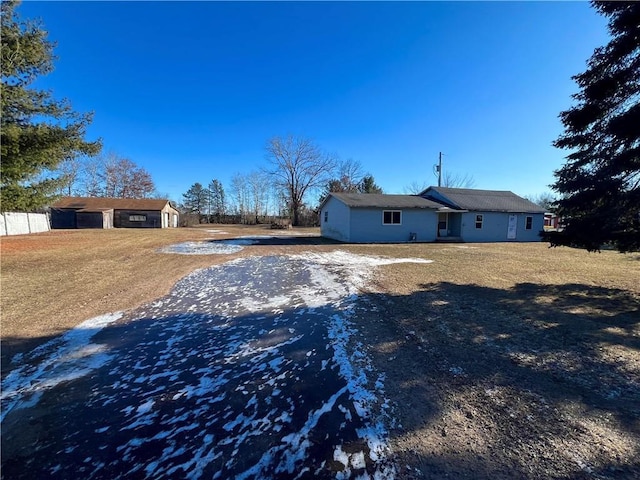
(443,224)
(512,228)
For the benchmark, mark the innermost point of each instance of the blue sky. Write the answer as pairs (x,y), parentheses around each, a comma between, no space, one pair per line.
(193,91)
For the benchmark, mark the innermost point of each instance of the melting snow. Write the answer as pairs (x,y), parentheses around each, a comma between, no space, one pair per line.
(201,248)
(62,359)
(234,354)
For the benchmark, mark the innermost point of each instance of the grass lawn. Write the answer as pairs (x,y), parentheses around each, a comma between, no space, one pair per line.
(503,360)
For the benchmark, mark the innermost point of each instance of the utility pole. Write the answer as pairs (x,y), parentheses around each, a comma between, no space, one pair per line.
(438,169)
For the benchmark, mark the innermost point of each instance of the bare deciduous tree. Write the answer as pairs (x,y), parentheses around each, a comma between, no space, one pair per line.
(109,176)
(258,194)
(545,200)
(92,176)
(457,180)
(415,187)
(124,179)
(298,166)
(449,180)
(240,196)
(350,175)
(70,171)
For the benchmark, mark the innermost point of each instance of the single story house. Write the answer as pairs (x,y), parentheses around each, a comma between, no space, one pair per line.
(95,212)
(436,214)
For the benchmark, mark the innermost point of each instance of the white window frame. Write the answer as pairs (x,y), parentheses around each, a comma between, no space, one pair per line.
(136,217)
(481,221)
(392,215)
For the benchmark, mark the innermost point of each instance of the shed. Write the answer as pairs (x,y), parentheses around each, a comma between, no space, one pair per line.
(97,212)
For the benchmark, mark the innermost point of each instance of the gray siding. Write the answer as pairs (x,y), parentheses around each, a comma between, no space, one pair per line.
(338,219)
(495,226)
(367,226)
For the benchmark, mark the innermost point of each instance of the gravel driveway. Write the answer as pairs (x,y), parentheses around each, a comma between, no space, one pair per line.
(250,369)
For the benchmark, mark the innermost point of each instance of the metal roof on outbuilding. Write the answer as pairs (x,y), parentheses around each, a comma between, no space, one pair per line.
(483,200)
(381,200)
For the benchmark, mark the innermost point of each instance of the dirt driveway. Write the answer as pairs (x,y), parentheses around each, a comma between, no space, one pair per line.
(246,370)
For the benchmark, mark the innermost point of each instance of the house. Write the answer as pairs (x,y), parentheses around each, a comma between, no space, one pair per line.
(372,217)
(95,212)
(436,214)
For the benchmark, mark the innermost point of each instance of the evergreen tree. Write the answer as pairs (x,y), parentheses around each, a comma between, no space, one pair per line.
(195,199)
(599,185)
(218,201)
(37,131)
(368,185)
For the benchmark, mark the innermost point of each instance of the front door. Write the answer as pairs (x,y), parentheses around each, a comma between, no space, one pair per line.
(512,229)
(443,224)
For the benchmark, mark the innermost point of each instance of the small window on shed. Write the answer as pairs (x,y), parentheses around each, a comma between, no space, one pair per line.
(479,220)
(137,218)
(391,217)
(326,216)
(528,223)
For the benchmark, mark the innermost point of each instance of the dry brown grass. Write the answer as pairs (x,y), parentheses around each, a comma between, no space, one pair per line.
(53,281)
(509,360)
(543,343)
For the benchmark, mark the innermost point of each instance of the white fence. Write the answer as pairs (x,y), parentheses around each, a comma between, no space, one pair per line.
(12,223)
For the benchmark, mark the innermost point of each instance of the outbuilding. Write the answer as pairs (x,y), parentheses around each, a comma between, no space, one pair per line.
(96,212)
(436,214)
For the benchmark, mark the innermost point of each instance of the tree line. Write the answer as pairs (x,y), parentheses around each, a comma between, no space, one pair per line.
(598,187)
(43,147)
(297,177)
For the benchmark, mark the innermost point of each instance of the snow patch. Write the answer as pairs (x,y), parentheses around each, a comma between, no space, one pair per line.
(62,359)
(201,248)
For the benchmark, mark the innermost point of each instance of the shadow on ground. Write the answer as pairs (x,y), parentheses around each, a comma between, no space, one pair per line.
(537,381)
(286,240)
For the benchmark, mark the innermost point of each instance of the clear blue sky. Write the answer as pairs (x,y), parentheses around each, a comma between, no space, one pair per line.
(192,91)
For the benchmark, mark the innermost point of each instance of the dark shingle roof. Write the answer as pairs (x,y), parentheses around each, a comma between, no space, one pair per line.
(97,203)
(485,200)
(380,200)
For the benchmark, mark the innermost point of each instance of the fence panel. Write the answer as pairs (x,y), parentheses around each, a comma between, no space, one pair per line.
(18,223)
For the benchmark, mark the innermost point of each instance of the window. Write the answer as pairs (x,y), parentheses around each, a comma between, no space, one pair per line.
(137,218)
(391,217)
(479,220)
(326,216)
(528,223)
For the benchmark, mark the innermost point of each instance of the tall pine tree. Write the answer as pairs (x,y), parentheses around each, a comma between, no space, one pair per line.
(599,185)
(195,199)
(38,132)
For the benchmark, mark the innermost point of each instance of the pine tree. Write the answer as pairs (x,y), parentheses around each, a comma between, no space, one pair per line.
(218,202)
(37,131)
(599,185)
(368,185)
(195,199)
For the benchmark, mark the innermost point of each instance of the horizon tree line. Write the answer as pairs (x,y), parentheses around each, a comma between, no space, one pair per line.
(297,171)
